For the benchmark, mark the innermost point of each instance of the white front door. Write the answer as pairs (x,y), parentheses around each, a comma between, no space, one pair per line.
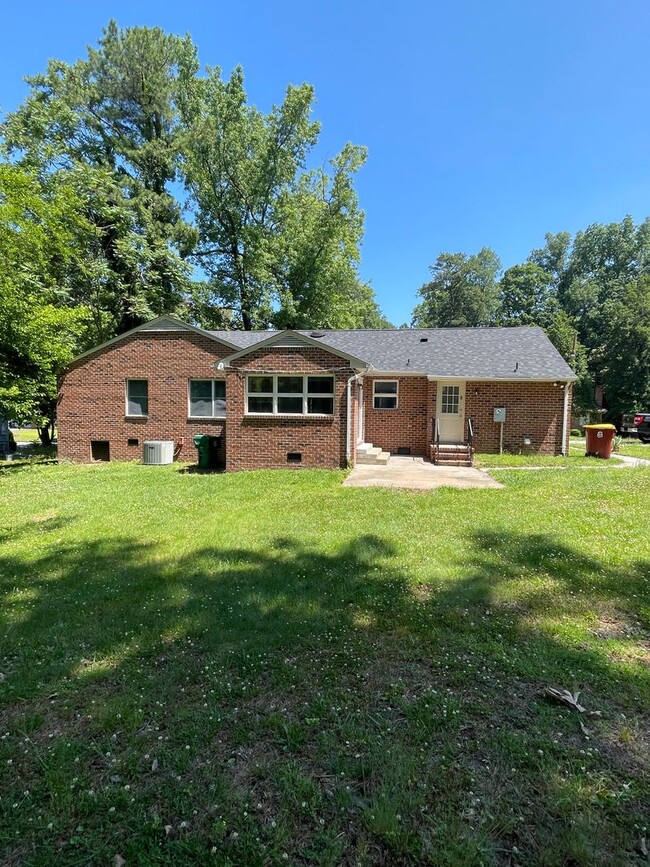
(450,411)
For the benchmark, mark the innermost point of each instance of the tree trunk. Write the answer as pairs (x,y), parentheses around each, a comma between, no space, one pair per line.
(45,436)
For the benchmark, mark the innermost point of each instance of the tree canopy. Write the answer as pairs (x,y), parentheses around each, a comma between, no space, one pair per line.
(590,293)
(279,243)
(40,227)
(164,191)
(463,291)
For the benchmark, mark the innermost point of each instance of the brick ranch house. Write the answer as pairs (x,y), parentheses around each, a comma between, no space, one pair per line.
(314,398)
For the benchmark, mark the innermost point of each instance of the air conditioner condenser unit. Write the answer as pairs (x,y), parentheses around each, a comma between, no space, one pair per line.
(158,452)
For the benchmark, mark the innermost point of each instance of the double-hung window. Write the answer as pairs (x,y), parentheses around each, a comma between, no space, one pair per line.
(290,395)
(137,397)
(384,395)
(207,398)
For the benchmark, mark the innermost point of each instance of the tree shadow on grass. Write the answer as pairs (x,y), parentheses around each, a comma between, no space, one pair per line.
(97,598)
(347,634)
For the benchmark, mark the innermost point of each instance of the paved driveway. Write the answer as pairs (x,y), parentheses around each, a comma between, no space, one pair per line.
(418,475)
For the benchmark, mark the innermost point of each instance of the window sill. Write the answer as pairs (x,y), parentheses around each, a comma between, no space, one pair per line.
(138,417)
(285,415)
(206,418)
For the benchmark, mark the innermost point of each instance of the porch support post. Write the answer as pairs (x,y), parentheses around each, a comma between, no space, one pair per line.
(348,414)
(565,420)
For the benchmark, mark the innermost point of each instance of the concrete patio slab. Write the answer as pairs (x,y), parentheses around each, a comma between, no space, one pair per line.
(416,474)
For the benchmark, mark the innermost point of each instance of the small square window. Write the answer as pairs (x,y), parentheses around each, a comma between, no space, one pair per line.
(260,384)
(385,394)
(260,404)
(292,405)
(290,384)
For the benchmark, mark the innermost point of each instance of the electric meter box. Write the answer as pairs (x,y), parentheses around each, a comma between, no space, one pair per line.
(500,413)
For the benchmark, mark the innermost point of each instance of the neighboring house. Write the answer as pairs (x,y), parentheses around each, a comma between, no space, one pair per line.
(314,398)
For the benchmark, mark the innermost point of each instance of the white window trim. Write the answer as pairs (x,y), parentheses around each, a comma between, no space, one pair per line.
(305,394)
(189,399)
(128,414)
(394,394)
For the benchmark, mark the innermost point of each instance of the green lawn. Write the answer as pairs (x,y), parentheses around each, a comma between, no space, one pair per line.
(573,459)
(25,435)
(634,448)
(268,668)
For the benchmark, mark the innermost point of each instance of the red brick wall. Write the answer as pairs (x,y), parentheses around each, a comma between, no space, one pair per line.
(533,409)
(92,406)
(92,394)
(263,441)
(408,426)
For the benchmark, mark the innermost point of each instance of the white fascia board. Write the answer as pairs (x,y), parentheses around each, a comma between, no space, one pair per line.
(434,378)
(376,372)
(147,326)
(269,342)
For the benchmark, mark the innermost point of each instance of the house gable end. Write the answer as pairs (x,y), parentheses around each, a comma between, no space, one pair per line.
(165,324)
(290,339)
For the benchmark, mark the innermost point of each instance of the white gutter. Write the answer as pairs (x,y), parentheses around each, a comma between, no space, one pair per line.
(565,420)
(348,420)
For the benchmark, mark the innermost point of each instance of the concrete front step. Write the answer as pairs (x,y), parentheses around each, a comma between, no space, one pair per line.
(371,455)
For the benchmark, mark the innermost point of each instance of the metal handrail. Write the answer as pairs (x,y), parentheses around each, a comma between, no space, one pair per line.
(436,439)
(470,432)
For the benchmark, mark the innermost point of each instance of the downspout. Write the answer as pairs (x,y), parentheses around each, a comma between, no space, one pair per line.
(348,414)
(564,418)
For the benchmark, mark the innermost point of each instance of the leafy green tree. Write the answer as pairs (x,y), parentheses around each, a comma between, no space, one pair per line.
(279,244)
(463,291)
(553,257)
(623,355)
(41,225)
(527,296)
(108,124)
(599,290)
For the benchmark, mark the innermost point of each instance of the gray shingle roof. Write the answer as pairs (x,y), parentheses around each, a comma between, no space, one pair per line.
(476,353)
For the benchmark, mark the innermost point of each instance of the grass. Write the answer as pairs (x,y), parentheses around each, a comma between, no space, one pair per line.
(25,435)
(573,459)
(32,454)
(268,668)
(634,449)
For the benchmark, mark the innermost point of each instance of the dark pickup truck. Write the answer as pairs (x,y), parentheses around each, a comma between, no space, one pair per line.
(642,425)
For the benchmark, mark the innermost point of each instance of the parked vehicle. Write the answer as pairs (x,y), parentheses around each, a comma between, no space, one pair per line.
(7,441)
(626,426)
(642,424)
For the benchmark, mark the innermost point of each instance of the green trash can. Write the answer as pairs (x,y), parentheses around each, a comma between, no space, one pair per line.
(208,451)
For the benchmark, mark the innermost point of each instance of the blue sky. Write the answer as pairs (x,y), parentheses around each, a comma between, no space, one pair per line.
(487,123)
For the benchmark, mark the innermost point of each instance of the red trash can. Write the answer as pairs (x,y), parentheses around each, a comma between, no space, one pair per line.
(600,438)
